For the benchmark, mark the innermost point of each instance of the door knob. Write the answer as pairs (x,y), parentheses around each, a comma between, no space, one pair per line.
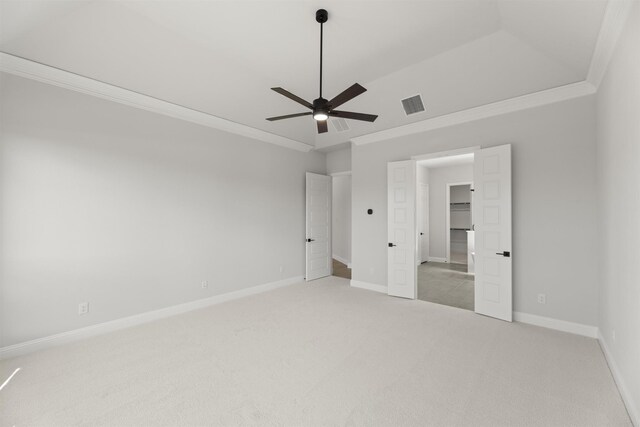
(506,254)
(310,240)
(422,234)
(392,245)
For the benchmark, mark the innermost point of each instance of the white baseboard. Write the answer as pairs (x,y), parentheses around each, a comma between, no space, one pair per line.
(437,259)
(369,286)
(559,325)
(342,260)
(632,409)
(126,322)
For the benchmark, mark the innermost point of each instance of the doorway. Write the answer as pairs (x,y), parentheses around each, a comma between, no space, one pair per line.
(491,228)
(341,224)
(444,211)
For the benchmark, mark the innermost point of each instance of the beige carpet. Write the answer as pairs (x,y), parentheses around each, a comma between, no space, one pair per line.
(320,354)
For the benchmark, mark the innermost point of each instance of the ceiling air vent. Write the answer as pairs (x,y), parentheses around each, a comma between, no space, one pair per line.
(339,124)
(412,105)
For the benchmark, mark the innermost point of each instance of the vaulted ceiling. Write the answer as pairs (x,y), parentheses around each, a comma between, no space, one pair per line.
(222,57)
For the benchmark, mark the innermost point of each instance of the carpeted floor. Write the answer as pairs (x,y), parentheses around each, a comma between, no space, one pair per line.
(322,354)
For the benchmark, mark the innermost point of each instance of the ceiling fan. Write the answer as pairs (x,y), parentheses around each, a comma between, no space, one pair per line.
(321,109)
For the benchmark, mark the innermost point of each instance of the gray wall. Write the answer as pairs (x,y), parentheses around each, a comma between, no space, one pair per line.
(554,202)
(131,211)
(438,180)
(619,209)
(339,160)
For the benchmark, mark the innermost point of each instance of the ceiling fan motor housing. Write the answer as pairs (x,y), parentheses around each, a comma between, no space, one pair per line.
(320,104)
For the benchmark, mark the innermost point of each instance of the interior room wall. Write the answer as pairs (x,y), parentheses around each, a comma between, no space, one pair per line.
(554,202)
(341,218)
(618,154)
(339,161)
(131,211)
(438,179)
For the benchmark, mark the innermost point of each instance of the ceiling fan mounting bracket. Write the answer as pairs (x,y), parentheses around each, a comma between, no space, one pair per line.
(322,16)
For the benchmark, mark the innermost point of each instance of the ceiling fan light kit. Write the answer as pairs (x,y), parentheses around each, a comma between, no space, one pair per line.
(321,109)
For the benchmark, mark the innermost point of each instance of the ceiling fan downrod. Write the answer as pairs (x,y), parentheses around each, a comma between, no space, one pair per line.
(321,17)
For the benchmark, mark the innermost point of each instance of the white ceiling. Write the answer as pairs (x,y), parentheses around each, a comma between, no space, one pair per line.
(221,57)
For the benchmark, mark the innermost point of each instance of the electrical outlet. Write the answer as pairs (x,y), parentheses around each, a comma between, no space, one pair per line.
(83,308)
(281,269)
(204,284)
(542,298)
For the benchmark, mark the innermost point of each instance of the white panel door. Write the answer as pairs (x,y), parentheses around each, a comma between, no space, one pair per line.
(492,219)
(318,240)
(401,229)
(423,227)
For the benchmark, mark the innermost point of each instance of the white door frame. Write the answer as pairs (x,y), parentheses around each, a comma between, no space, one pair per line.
(448,153)
(447,218)
(435,155)
(333,175)
(423,214)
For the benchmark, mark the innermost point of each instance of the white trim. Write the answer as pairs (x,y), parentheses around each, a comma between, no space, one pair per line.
(536,99)
(437,259)
(449,153)
(345,173)
(65,79)
(558,325)
(632,409)
(368,286)
(613,24)
(126,322)
(9,379)
(342,260)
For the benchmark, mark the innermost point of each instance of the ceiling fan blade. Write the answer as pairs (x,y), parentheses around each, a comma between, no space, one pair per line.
(322,126)
(288,116)
(354,116)
(292,96)
(347,95)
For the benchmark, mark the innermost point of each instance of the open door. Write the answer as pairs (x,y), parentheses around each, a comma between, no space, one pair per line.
(492,220)
(318,224)
(401,229)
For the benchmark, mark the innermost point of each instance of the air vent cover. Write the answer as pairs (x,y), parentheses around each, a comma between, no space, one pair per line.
(412,105)
(340,124)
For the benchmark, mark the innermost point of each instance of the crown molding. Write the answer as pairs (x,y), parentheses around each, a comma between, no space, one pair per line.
(44,73)
(613,23)
(549,96)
